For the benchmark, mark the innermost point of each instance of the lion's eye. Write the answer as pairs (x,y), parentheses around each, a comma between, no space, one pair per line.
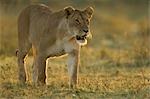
(77,21)
(87,21)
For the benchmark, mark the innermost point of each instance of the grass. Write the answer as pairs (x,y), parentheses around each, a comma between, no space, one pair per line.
(114,65)
(101,79)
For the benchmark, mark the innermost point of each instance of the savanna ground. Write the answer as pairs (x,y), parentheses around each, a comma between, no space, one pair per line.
(115,64)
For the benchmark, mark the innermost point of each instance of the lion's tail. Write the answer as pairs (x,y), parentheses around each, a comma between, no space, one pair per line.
(17,50)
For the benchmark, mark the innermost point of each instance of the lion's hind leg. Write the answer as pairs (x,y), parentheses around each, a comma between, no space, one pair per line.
(22,52)
(39,71)
(39,68)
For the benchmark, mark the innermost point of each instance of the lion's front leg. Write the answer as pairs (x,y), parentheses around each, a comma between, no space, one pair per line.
(73,65)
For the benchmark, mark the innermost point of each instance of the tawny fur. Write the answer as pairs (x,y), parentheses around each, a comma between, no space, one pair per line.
(50,34)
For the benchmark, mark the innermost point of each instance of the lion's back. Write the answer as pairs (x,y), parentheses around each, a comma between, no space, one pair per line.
(31,19)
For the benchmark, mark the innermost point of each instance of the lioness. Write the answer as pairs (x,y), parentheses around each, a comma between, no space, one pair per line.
(51,34)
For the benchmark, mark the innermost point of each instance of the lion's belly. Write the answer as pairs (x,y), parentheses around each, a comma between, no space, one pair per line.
(61,48)
(56,50)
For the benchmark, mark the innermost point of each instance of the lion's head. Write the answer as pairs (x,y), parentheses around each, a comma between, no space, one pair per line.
(79,22)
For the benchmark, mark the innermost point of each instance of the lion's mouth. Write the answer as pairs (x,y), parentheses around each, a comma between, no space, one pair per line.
(81,37)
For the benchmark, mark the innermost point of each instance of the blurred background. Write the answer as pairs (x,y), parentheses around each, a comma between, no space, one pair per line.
(120,28)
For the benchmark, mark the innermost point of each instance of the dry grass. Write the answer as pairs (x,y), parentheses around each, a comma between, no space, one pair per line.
(97,79)
(118,62)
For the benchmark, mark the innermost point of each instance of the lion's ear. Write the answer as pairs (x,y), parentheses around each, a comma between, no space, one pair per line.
(89,11)
(69,10)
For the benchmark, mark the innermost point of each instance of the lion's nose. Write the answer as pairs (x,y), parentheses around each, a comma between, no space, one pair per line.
(85,30)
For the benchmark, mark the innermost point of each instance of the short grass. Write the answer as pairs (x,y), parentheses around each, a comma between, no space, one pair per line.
(114,65)
(97,79)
